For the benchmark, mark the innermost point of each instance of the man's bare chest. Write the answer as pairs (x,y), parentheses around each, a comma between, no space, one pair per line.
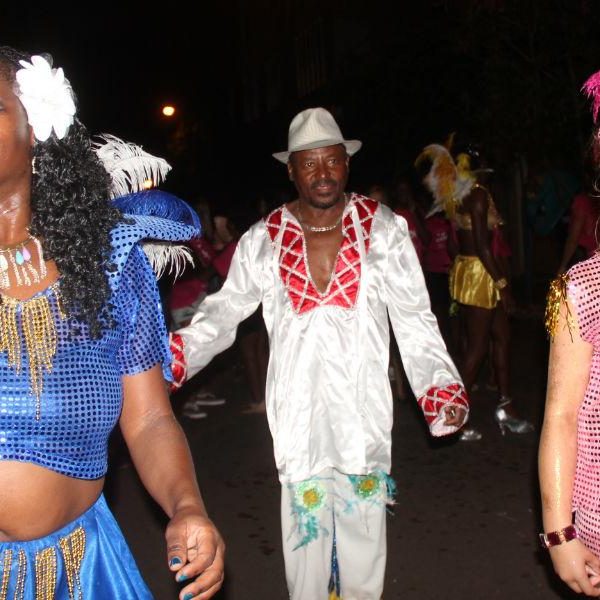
(322,251)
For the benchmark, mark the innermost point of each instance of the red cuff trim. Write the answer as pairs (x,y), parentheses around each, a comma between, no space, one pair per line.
(434,400)
(178,366)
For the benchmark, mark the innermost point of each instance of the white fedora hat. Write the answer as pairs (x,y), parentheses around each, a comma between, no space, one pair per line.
(315,128)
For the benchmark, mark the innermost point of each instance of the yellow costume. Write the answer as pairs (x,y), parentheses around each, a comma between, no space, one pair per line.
(471,284)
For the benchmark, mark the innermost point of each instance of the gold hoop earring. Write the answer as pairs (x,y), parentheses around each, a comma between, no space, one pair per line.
(33,169)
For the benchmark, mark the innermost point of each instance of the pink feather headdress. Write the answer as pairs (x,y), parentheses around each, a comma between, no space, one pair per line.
(592,89)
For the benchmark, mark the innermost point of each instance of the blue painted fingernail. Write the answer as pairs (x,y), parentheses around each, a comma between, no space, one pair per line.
(175,561)
(188,597)
(182,577)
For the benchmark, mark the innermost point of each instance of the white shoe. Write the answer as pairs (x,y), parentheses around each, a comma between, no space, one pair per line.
(205,399)
(192,410)
(470,435)
(192,413)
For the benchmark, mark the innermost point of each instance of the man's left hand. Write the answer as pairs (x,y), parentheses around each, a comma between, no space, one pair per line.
(455,415)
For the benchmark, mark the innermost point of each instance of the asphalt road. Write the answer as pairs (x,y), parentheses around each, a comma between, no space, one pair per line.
(467,514)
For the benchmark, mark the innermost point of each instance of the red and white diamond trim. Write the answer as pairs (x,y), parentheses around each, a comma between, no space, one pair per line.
(434,400)
(293,264)
(178,366)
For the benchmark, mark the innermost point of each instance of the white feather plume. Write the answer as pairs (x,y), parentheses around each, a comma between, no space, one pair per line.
(128,165)
(167,257)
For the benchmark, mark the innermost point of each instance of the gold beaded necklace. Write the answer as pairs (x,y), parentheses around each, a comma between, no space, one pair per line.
(38,332)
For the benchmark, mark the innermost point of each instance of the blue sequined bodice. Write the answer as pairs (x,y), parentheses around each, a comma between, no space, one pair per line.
(82,395)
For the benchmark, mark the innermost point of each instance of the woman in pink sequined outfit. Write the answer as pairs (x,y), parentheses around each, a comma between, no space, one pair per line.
(570,443)
(569,458)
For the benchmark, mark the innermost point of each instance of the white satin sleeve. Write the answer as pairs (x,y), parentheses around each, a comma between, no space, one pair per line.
(431,373)
(214,326)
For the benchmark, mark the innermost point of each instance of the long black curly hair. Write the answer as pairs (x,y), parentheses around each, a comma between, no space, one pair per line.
(72,214)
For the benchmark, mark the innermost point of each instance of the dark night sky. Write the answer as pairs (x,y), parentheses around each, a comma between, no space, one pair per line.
(123,63)
(124,60)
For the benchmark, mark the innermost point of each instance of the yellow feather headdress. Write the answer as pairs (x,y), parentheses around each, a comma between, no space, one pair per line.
(448,181)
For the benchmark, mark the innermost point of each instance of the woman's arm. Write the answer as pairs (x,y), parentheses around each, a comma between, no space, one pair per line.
(568,374)
(163,461)
(478,207)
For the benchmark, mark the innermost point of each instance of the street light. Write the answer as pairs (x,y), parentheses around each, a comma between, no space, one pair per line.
(168,110)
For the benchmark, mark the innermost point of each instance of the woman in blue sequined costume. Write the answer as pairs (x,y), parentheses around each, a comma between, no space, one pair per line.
(83,347)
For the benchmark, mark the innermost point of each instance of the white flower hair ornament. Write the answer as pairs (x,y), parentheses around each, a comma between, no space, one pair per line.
(47,97)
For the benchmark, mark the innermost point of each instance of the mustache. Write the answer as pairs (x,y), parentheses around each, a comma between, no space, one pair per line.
(326,181)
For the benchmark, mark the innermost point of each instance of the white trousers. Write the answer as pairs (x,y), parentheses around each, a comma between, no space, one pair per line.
(351,509)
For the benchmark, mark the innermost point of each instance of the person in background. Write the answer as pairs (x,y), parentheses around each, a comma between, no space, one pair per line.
(186,294)
(405,205)
(380,193)
(477,282)
(437,259)
(581,240)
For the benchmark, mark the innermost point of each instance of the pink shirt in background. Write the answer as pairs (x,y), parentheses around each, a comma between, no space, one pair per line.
(436,258)
(412,230)
(222,260)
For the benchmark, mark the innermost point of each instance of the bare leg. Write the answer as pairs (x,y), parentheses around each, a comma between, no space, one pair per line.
(501,349)
(249,356)
(478,322)
(505,412)
(255,352)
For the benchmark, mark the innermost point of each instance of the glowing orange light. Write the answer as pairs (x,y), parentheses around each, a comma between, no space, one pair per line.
(168,110)
(148,184)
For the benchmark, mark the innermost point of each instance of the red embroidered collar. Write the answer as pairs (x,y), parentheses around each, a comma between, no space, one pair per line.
(293,263)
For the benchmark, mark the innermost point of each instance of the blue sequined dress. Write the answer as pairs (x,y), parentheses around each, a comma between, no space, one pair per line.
(66,427)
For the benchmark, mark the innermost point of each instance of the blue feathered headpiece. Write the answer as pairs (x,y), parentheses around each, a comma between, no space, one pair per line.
(130,169)
(156,203)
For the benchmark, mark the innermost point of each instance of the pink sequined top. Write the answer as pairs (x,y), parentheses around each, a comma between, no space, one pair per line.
(584,294)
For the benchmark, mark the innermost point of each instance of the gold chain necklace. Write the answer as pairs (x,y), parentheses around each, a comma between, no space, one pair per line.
(323,229)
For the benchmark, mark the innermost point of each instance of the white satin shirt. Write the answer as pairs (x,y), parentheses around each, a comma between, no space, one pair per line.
(328,396)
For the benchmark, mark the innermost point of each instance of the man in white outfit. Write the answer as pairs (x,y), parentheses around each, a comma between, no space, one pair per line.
(329,268)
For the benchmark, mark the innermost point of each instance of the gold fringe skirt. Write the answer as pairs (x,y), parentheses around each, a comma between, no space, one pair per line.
(471,284)
(87,559)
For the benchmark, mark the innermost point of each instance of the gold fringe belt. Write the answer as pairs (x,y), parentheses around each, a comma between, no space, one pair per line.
(72,549)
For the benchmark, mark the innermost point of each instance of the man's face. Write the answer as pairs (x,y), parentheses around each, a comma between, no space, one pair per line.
(320,175)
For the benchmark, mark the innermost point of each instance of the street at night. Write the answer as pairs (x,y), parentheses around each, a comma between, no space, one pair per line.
(466,521)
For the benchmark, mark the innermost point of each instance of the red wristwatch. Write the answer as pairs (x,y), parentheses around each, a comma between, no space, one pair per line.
(554,538)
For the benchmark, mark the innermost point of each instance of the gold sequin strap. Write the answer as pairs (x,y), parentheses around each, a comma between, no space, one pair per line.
(39,335)
(73,549)
(21,574)
(556,298)
(45,574)
(6,565)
